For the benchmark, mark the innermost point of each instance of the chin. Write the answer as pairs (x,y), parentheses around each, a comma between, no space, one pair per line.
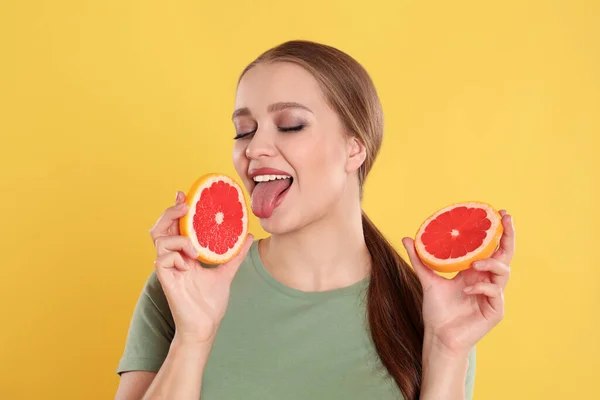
(278,223)
(293,215)
(286,221)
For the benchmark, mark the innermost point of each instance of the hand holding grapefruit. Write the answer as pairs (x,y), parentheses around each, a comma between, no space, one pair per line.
(454,237)
(478,242)
(198,297)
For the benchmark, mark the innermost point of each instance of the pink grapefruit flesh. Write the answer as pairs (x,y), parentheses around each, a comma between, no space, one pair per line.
(217,220)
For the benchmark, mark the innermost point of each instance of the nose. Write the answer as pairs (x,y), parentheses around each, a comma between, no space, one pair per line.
(261,145)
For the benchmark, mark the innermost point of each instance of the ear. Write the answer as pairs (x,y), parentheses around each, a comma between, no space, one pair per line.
(357,153)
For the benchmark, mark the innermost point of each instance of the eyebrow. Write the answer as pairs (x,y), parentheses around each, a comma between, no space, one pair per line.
(245,111)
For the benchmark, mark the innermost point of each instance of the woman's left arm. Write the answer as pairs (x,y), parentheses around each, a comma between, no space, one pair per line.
(458,312)
(444,373)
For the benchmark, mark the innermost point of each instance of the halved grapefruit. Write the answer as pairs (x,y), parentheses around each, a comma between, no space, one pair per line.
(458,235)
(217,220)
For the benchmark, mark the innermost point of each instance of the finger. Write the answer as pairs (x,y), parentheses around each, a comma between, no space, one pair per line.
(230,268)
(169,261)
(179,197)
(166,244)
(500,271)
(168,223)
(493,292)
(425,274)
(506,248)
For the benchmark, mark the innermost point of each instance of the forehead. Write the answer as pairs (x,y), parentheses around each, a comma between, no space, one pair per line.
(269,83)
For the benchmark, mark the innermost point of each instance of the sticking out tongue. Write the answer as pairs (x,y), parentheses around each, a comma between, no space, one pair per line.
(265,195)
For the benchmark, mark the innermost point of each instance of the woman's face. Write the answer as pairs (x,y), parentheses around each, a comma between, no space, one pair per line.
(291,150)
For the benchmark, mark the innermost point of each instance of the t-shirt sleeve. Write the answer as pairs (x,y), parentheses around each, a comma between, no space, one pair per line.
(470,381)
(151,330)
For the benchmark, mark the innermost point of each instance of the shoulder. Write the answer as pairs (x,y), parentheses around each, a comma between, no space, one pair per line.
(153,294)
(151,330)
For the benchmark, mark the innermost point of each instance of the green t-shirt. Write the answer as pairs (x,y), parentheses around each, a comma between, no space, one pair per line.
(275,342)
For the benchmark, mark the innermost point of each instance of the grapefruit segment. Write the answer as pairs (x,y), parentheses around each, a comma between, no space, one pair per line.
(456,236)
(217,218)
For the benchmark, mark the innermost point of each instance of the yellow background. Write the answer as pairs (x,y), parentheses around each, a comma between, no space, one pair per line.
(108,107)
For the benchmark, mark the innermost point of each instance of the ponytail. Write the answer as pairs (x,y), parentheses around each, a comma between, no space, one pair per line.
(395,296)
(394,311)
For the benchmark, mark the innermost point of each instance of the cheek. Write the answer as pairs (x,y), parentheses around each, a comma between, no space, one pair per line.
(240,162)
(320,161)
(331,157)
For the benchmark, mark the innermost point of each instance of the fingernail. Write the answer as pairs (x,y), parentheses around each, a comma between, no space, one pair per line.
(177,197)
(468,289)
(478,264)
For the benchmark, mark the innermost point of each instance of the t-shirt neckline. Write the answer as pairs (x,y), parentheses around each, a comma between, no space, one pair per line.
(260,268)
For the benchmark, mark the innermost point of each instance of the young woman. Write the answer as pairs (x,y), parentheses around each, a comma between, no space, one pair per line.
(324,308)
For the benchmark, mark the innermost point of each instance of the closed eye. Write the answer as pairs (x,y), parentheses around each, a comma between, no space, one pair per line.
(291,128)
(243,135)
(281,129)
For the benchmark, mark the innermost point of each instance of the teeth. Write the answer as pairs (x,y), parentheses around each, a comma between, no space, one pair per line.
(267,178)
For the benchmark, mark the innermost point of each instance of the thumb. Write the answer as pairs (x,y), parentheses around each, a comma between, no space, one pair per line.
(425,275)
(230,268)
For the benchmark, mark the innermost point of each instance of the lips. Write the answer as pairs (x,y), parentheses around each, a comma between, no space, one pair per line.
(265,171)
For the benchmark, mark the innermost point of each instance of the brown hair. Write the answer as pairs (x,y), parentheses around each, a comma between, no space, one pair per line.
(395,296)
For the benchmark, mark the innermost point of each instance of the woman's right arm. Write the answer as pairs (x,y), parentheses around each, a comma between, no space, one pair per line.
(197,299)
(134,384)
(180,377)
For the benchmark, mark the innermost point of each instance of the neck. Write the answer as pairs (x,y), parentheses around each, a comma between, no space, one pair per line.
(328,254)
